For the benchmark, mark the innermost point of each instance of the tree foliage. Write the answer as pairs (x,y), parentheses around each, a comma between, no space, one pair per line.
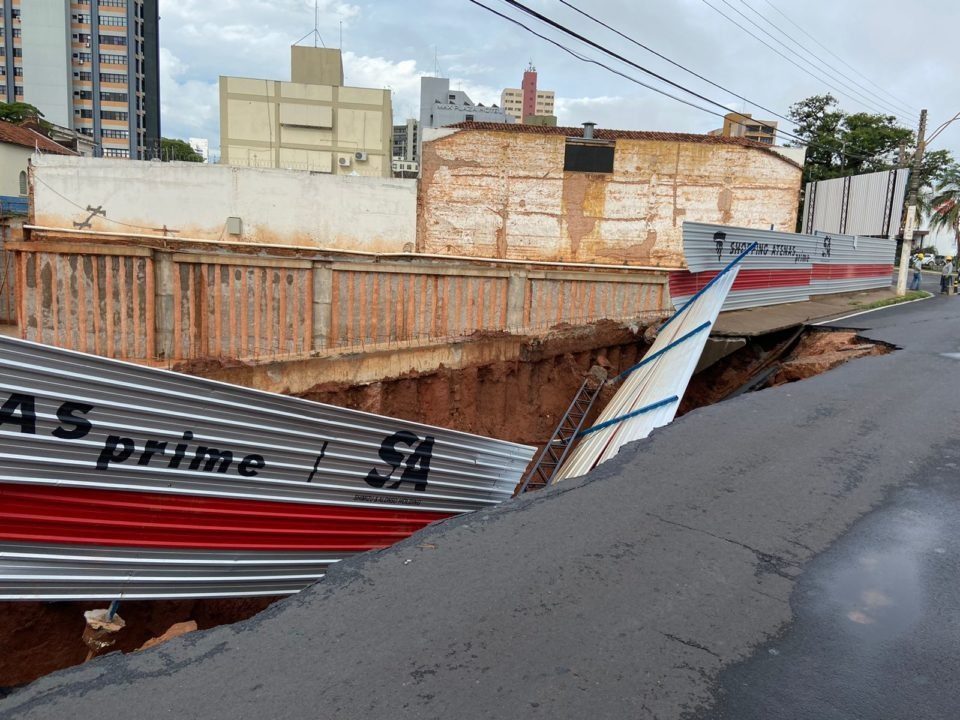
(945,202)
(843,143)
(174,149)
(17,112)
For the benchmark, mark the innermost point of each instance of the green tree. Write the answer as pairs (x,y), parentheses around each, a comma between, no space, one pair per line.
(17,112)
(174,149)
(843,144)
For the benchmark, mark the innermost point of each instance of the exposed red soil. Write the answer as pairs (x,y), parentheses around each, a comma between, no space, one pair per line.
(39,637)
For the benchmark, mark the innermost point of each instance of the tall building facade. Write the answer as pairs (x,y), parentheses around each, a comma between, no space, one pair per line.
(746,126)
(89,65)
(314,122)
(528,101)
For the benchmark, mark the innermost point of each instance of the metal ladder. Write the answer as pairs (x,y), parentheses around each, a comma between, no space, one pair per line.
(562,440)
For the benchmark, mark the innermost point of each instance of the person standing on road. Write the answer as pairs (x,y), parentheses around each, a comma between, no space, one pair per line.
(917,268)
(946,275)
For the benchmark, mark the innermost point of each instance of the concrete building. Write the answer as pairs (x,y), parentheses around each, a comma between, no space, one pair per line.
(528,192)
(90,67)
(314,122)
(440,106)
(744,126)
(406,141)
(528,103)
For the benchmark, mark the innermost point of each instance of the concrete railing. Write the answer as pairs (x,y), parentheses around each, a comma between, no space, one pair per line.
(160,306)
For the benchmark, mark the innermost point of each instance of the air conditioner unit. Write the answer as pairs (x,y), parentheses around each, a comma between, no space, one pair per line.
(343,161)
(362,156)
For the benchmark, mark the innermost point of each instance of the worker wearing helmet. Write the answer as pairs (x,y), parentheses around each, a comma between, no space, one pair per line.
(946,275)
(917,268)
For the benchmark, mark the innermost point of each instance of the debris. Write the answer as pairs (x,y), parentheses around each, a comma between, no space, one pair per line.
(101,630)
(174,631)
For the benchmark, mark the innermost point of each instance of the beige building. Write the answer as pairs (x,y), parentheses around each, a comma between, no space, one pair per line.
(743,125)
(312,123)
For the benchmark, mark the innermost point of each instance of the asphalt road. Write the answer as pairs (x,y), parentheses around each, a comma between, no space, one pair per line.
(787,554)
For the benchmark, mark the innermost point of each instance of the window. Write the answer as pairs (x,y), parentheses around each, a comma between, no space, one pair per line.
(84,75)
(113,96)
(81,18)
(85,113)
(3,70)
(113,40)
(18,72)
(113,115)
(18,52)
(469,118)
(113,59)
(83,38)
(753,128)
(121,134)
(23,182)
(18,89)
(588,157)
(113,3)
(113,78)
(116,152)
(17,32)
(117,20)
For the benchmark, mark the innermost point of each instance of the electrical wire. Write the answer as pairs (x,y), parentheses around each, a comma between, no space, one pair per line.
(798,27)
(673,62)
(771,47)
(878,98)
(591,43)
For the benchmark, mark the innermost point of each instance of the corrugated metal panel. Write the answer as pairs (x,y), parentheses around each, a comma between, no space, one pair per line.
(868,204)
(784,268)
(102,455)
(657,384)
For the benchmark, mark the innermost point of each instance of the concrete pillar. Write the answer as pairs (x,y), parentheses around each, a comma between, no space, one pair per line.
(322,305)
(164,267)
(516,296)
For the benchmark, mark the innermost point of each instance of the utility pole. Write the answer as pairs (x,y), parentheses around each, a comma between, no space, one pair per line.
(911,218)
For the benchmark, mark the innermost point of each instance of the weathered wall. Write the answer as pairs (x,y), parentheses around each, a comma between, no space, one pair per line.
(194,200)
(505,194)
(14,159)
(165,302)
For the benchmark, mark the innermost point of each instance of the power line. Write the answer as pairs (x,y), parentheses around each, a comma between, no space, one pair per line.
(771,47)
(798,27)
(673,62)
(875,96)
(627,61)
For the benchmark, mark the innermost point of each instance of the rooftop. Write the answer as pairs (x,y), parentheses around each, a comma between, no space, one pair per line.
(16,135)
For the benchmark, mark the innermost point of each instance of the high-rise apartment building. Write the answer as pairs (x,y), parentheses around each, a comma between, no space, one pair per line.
(89,65)
(528,100)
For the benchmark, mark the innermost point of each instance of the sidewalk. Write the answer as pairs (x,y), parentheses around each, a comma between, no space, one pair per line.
(762,320)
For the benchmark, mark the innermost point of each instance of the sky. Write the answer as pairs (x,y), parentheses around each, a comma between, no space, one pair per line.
(872,55)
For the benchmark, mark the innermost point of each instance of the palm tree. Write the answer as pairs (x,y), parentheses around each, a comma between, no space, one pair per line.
(945,204)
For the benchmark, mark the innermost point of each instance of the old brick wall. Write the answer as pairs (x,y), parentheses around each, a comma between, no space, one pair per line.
(505,194)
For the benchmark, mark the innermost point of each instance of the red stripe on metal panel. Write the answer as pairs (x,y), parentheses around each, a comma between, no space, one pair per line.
(840,272)
(33,513)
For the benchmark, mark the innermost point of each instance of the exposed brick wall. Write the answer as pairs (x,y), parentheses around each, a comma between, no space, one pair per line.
(485,193)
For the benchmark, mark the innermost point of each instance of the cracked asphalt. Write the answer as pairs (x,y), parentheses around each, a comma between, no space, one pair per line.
(785,554)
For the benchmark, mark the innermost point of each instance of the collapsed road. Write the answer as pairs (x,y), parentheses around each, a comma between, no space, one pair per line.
(660,586)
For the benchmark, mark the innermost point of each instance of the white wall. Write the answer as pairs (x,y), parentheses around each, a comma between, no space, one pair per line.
(285,207)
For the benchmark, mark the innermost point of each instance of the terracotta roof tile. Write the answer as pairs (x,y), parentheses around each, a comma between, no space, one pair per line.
(16,135)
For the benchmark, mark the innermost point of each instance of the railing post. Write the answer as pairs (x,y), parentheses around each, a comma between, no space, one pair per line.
(322,305)
(516,296)
(163,302)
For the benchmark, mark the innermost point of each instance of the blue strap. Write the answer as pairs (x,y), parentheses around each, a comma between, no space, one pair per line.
(699,329)
(641,411)
(706,287)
